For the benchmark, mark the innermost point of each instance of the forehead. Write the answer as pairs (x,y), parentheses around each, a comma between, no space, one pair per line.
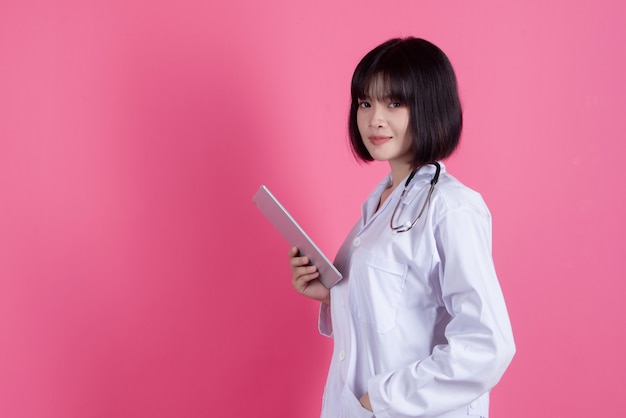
(379,87)
(375,87)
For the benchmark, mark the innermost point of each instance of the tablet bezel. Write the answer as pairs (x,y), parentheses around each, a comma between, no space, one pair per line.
(282,220)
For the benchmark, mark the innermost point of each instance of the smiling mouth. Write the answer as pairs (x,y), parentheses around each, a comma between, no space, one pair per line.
(379,140)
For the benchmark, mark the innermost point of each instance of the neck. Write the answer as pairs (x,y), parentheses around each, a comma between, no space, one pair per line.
(398,173)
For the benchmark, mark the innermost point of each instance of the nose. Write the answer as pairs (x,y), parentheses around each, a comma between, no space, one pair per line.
(377,116)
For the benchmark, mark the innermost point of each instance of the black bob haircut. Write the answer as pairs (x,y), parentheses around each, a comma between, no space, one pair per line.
(418,74)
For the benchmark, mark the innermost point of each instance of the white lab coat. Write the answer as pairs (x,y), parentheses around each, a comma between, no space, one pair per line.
(419,321)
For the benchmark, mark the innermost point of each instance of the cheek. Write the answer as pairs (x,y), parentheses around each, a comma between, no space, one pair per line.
(407,133)
(403,126)
(404,132)
(361,123)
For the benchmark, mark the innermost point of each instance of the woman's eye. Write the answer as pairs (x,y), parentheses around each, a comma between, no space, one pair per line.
(395,104)
(364,104)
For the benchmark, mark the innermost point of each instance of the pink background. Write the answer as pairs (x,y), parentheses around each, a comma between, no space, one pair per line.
(136,277)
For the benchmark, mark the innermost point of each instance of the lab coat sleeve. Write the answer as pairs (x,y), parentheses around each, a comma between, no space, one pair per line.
(480,343)
(325,324)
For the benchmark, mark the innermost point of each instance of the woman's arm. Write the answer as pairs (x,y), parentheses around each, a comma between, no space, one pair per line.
(479,344)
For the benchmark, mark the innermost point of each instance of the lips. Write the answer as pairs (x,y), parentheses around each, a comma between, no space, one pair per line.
(379,140)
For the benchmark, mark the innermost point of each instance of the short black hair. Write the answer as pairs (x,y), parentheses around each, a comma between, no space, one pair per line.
(418,74)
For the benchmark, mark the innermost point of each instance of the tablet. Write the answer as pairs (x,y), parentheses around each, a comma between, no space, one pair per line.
(295,235)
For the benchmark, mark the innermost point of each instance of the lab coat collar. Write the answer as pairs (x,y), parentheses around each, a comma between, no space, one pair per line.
(421,181)
(421,178)
(368,209)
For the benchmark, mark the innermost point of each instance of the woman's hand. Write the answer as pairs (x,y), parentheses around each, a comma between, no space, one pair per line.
(305,278)
(365,402)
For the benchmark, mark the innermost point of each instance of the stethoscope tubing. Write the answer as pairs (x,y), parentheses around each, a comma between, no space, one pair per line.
(408,225)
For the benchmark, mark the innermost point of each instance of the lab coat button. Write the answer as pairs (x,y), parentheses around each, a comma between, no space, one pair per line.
(342,355)
(357,241)
(473,405)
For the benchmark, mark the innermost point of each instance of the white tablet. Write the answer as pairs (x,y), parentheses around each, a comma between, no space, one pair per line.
(295,235)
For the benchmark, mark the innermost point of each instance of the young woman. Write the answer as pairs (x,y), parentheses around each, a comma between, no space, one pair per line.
(419,322)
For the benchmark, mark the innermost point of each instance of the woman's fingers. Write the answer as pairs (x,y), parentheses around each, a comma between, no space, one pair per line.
(299,261)
(304,275)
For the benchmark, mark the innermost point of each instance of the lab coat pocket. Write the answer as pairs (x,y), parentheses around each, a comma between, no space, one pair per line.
(351,407)
(376,288)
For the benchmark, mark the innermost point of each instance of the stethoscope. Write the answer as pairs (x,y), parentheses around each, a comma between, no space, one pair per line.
(408,225)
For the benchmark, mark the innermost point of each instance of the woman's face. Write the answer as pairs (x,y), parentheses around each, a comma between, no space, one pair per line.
(383,124)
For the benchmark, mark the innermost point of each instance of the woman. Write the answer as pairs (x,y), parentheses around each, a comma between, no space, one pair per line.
(419,322)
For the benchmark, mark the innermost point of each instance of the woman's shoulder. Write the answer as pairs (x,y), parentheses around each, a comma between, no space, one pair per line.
(451,194)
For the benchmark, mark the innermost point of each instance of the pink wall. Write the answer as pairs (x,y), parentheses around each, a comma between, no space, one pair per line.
(132,137)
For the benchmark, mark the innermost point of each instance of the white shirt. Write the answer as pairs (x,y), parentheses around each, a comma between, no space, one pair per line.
(419,320)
